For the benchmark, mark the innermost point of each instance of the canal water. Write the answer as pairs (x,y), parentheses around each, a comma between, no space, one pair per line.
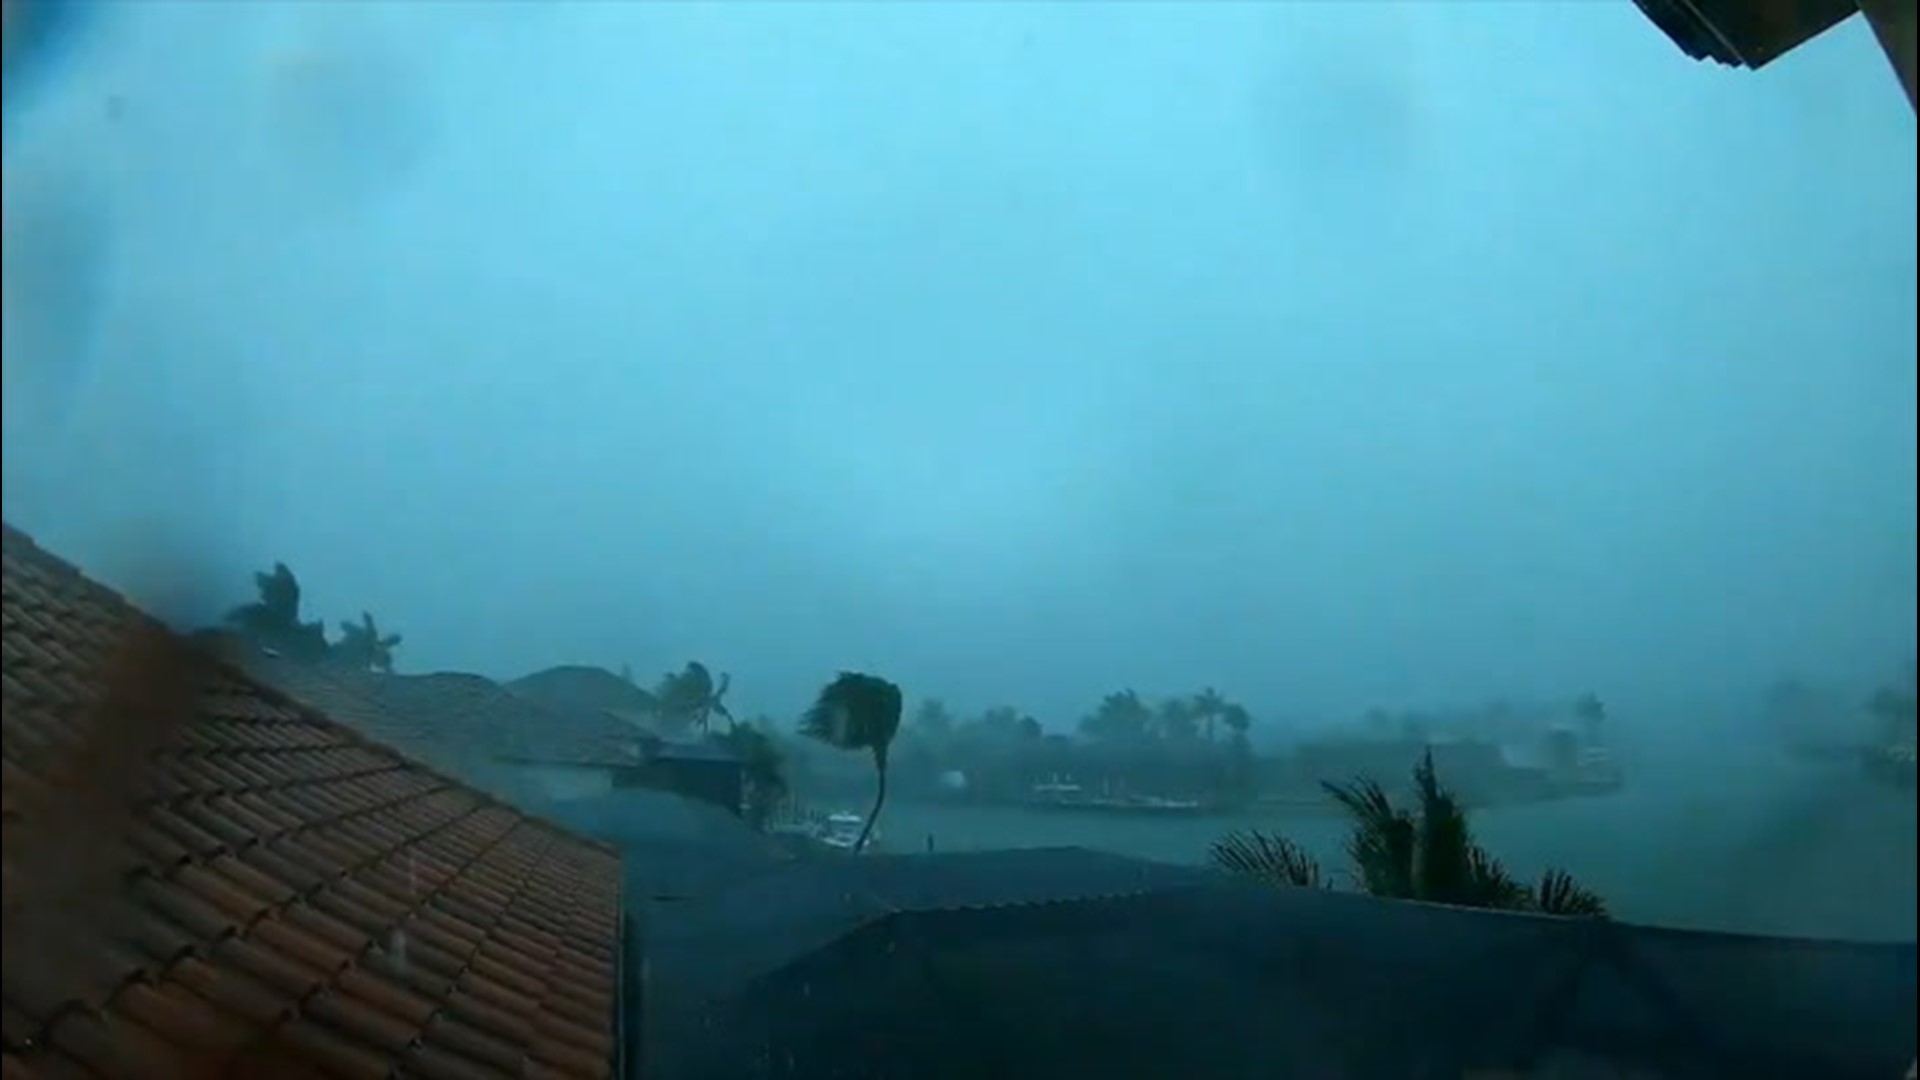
(1779,848)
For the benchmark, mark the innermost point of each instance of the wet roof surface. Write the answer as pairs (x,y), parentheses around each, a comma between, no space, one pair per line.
(772,917)
(242,887)
(1230,980)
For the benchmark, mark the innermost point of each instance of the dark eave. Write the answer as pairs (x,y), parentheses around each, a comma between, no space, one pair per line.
(1745,33)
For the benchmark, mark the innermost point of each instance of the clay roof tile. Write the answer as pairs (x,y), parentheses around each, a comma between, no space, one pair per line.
(204,877)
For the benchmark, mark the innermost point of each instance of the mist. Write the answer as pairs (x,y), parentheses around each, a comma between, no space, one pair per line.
(1336,355)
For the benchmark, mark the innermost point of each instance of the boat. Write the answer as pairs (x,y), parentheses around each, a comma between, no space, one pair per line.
(837,831)
(841,830)
(1593,771)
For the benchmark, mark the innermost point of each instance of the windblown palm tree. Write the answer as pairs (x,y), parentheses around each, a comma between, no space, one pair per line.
(1424,853)
(274,619)
(858,712)
(1121,718)
(690,696)
(1237,719)
(764,767)
(1177,720)
(361,645)
(1208,707)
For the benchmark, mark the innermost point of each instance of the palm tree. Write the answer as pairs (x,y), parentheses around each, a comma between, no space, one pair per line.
(690,697)
(1207,707)
(1424,853)
(274,619)
(361,645)
(1121,718)
(1177,720)
(1237,719)
(858,712)
(764,767)
(1241,780)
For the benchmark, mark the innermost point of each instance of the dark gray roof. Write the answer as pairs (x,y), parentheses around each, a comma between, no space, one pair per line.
(709,949)
(675,848)
(1227,980)
(631,816)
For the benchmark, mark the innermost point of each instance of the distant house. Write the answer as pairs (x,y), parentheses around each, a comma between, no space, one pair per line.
(469,725)
(1478,771)
(585,688)
(707,770)
(704,769)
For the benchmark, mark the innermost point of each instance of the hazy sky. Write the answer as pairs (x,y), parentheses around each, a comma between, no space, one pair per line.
(1332,354)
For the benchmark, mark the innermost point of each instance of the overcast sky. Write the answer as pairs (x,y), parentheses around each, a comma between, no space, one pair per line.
(1332,354)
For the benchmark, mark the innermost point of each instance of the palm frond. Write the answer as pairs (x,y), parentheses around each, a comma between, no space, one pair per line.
(1489,885)
(1558,894)
(1266,857)
(1384,838)
(855,712)
(827,720)
(1443,870)
(696,682)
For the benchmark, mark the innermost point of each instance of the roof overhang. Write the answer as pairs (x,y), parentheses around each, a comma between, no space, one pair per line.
(1745,33)
(1754,33)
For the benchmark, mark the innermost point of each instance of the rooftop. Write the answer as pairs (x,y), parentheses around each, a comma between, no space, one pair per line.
(578,686)
(202,876)
(798,906)
(426,713)
(1225,979)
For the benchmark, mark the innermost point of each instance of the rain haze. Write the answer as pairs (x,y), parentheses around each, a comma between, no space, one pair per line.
(1336,355)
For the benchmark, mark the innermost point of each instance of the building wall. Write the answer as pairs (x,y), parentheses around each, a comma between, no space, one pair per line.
(721,783)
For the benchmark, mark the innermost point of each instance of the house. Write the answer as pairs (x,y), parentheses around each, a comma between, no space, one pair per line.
(704,769)
(700,768)
(499,740)
(585,688)
(553,753)
(208,877)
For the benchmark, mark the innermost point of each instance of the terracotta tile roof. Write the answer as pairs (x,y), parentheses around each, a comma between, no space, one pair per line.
(244,888)
(425,714)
